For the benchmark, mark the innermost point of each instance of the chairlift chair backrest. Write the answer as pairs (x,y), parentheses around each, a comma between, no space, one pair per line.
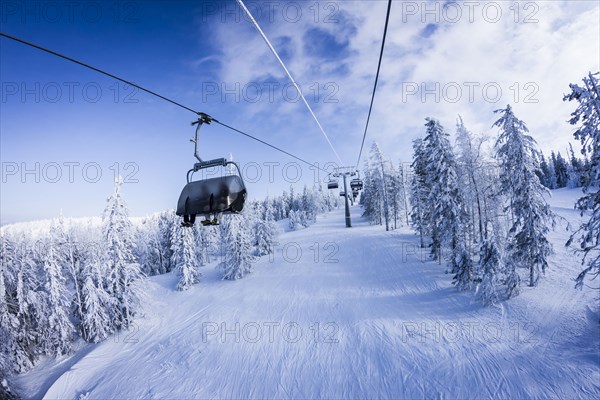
(356,184)
(332,184)
(224,194)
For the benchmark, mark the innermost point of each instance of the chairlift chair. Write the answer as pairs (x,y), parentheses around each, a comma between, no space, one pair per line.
(356,183)
(210,197)
(332,184)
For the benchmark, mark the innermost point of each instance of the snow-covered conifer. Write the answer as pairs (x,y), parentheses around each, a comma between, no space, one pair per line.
(28,306)
(418,191)
(519,160)
(95,320)
(187,263)
(488,270)
(587,115)
(266,236)
(444,204)
(8,321)
(237,257)
(122,268)
(295,220)
(58,328)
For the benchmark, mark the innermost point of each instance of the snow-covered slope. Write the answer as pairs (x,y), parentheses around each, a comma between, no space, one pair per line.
(345,313)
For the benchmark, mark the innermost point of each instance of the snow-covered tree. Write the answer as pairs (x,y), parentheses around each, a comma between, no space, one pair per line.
(443,207)
(72,258)
(370,198)
(122,267)
(165,221)
(587,117)
(309,205)
(58,329)
(296,220)
(444,200)
(292,200)
(418,191)
(8,321)
(488,269)
(462,265)
(575,169)
(28,306)
(268,210)
(266,235)
(470,166)
(382,196)
(397,195)
(381,175)
(546,173)
(266,230)
(176,240)
(6,393)
(207,238)
(187,263)
(237,252)
(560,169)
(95,320)
(147,247)
(519,160)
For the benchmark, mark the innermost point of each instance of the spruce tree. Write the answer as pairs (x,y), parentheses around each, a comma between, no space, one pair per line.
(237,257)
(28,307)
(58,328)
(587,117)
(8,321)
(488,269)
(444,203)
(95,320)
(371,196)
(418,191)
(266,231)
(187,263)
(122,268)
(519,161)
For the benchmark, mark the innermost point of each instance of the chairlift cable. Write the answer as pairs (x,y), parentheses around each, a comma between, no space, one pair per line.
(54,53)
(262,34)
(268,144)
(385,29)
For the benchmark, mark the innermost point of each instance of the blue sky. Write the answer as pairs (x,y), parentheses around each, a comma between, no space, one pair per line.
(65,124)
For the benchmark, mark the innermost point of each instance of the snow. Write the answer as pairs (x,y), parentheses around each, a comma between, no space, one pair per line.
(39,228)
(565,198)
(345,313)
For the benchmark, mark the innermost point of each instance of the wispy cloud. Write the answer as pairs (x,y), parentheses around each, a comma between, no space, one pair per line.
(520,53)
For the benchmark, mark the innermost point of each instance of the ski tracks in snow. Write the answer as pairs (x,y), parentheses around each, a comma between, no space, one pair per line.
(357,313)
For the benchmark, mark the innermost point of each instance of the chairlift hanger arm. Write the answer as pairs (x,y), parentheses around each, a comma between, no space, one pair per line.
(204,119)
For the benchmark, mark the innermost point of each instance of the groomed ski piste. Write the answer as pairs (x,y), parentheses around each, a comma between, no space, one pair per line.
(345,313)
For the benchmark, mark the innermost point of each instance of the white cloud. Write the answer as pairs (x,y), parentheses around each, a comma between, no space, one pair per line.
(538,60)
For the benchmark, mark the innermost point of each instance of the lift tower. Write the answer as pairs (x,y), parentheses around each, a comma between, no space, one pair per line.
(345,172)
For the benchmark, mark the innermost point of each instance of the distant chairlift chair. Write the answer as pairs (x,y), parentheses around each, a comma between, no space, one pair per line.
(356,184)
(332,183)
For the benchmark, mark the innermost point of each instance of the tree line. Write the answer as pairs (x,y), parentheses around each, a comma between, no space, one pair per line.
(480,204)
(78,281)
